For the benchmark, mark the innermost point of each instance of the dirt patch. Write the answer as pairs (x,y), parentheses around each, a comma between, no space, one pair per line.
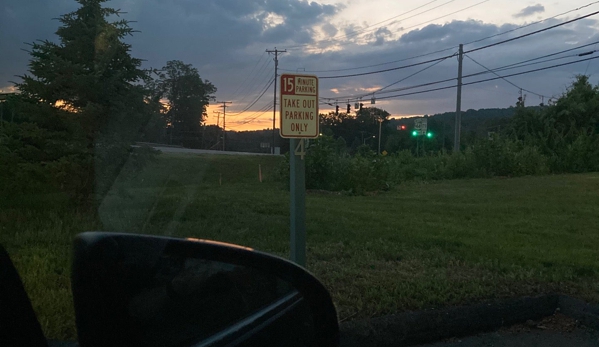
(557,322)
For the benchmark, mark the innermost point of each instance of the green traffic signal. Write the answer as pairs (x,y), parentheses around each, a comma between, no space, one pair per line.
(429,135)
(414,133)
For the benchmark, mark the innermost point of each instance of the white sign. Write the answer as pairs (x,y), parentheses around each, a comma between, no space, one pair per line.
(299,106)
(420,125)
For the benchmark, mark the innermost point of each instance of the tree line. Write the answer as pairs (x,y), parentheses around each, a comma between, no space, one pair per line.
(562,137)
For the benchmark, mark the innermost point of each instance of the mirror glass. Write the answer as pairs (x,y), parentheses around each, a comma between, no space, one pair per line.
(192,299)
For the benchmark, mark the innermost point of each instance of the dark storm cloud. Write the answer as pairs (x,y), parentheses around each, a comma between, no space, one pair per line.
(24,22)
(209,33)
(530,10)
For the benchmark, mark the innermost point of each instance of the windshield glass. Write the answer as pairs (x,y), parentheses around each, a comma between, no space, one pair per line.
(410,154)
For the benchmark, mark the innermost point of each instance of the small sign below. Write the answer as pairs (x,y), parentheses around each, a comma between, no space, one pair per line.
(420,125)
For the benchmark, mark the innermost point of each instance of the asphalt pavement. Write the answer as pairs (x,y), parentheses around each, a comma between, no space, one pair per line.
(168,149)
(541,338)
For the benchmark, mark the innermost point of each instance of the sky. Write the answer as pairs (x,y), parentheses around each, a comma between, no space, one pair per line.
(226,40)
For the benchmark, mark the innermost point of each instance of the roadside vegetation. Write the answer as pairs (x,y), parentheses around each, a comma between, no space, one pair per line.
(422,244)
(562,137)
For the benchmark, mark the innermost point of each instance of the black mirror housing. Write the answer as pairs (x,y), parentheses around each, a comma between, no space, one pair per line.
(135,290)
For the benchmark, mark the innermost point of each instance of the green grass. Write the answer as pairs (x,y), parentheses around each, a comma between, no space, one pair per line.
(420,245)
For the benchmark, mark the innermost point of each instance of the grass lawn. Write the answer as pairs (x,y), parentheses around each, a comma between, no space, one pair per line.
(421,245)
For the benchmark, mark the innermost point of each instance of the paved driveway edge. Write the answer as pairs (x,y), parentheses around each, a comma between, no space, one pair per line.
(411,328)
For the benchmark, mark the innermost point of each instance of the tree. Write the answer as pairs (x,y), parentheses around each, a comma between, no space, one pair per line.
(90,75)
(566,131)
(187,95)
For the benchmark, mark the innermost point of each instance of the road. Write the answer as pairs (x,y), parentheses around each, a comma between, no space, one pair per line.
(577,338)
(201,151)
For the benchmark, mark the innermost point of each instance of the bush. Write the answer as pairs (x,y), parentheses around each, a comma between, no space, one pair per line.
(330,167)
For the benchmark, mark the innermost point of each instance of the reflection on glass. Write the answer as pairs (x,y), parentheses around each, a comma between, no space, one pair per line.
(186,300)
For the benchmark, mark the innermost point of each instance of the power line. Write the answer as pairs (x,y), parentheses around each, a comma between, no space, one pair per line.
(264,108)
(252,82)
(503,78)
(453,47)
(446,15)
(488,79)
(532,33)
(268,104)
(531,24)
(353,97)
(252,118)
(508,67)
(428,21)
(554,54)
(387,70)
(472,50)
(528,62)
(256,100)
(386,20)
(247,76)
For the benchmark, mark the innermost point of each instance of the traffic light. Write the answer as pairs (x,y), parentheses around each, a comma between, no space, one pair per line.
(415,133)
(348,108)
(361,105)
(336,110)
(429,135)
(403,127)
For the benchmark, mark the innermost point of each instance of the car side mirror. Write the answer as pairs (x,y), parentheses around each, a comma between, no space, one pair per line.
(134,290)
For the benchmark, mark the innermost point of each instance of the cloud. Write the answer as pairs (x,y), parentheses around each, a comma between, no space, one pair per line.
(530,10)
(381,35)
(329,29)
(435,37)
(226,40)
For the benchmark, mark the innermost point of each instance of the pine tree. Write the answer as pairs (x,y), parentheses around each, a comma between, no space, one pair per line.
(90,74)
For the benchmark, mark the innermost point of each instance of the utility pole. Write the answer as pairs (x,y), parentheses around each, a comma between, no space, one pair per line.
(274,104)
(224,106)
(217,126)
(380,123)
(217,117)
(458,111)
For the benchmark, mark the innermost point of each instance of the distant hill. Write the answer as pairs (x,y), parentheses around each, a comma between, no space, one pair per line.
(475,123)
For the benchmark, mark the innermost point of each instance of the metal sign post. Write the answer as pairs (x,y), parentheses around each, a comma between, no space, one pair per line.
(297,180)
(298,121)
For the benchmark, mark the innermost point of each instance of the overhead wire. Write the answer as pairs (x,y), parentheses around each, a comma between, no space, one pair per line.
(532,33)
(533,23)
(235,93)
(265,79)
(503,78)
(452,47)
(359,32)
(521,64)
(472,50)
(488,79)
(431,20)
(389,85)
(257,99)
(253,118)
(387,70)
